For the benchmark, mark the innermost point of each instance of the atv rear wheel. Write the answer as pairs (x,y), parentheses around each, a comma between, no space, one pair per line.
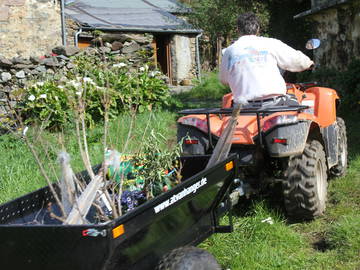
(305,186)
(340,168)
(188,258)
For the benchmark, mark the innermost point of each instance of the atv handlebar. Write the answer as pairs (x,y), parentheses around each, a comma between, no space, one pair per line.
(305,85)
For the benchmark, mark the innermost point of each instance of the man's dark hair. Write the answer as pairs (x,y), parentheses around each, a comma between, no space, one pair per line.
(248,24)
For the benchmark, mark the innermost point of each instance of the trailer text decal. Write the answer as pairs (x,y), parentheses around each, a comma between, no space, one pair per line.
(192,189)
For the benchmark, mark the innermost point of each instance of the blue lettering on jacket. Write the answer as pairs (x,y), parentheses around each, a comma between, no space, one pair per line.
(252,55)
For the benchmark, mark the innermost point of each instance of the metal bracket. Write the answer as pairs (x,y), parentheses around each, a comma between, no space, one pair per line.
(226,228)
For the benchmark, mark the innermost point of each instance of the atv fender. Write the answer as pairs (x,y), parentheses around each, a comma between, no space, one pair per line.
(295,135)
(330,136)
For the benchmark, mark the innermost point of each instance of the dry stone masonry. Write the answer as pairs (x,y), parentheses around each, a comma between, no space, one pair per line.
(29,27)
(337,25)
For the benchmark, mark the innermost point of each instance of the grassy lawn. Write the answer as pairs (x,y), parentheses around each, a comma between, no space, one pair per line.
(208,93)
(330,242)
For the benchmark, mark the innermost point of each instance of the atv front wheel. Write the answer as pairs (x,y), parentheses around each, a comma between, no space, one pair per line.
(305,186)
(188,258)
(340,168)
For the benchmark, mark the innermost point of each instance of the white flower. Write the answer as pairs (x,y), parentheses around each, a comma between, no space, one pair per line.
(42,96)
(61,87)
(25,130)
(120,65)
(75,84)
(88,80)
(78,93)
(142,69)
(153,73)
(31,98)
(268,220)
(39,84)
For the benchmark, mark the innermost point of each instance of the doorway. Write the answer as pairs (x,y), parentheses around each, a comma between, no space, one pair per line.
(163,54)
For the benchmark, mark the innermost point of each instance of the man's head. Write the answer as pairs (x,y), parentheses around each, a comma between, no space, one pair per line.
(248,24)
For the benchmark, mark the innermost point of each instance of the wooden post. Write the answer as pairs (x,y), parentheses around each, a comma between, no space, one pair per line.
(67,184)
(223,146)
(82,205)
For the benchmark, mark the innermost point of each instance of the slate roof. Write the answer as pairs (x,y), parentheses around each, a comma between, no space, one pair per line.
(146,15)
(318,6)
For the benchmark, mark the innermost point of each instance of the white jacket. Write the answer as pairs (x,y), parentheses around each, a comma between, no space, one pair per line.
(250,67)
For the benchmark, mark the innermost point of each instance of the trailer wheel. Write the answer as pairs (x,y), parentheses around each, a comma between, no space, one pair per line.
(188,258)
(340,168)
(305,187)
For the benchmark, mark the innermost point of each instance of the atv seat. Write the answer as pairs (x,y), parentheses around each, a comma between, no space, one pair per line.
(281,100)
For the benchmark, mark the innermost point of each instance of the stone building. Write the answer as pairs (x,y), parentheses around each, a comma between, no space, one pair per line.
(29,27)
(174,42)
(337,24)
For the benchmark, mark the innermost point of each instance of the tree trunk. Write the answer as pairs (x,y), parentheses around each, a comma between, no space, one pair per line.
(218,50)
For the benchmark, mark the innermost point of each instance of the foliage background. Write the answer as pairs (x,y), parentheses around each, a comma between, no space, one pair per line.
(218,20)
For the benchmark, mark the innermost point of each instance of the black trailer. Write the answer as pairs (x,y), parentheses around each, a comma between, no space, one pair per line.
(183,216)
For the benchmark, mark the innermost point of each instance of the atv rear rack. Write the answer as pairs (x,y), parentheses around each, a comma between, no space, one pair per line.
(260,112)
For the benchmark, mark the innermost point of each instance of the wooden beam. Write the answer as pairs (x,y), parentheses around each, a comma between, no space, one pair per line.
(223,146)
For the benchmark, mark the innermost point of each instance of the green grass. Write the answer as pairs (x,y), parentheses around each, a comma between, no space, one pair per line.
(331,242)
(17,169)
(259,245)
(208,93)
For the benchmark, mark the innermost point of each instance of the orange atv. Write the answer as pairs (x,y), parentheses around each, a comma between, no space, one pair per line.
(299,145)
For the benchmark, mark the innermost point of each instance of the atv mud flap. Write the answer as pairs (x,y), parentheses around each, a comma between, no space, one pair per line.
(194,141)
(287,140)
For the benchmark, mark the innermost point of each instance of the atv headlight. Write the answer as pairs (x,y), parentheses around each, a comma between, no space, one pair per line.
(279,120)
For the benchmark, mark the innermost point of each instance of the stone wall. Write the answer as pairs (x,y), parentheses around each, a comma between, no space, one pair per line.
(318,3)
(338,29)
(183,59)
(18,72)
(71,28)
(29,27)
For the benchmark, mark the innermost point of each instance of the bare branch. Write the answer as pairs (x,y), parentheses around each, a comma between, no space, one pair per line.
(43,172)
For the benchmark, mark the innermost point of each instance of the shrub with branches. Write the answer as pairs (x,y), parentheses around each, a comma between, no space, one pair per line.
(100,83)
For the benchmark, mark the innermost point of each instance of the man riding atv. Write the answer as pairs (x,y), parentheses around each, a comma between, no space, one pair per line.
(286,134)
(250,66)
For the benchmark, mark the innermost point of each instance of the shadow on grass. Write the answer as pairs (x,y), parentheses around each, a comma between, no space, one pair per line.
(271,199)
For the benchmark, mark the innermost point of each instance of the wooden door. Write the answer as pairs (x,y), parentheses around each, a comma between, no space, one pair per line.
(163,54)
